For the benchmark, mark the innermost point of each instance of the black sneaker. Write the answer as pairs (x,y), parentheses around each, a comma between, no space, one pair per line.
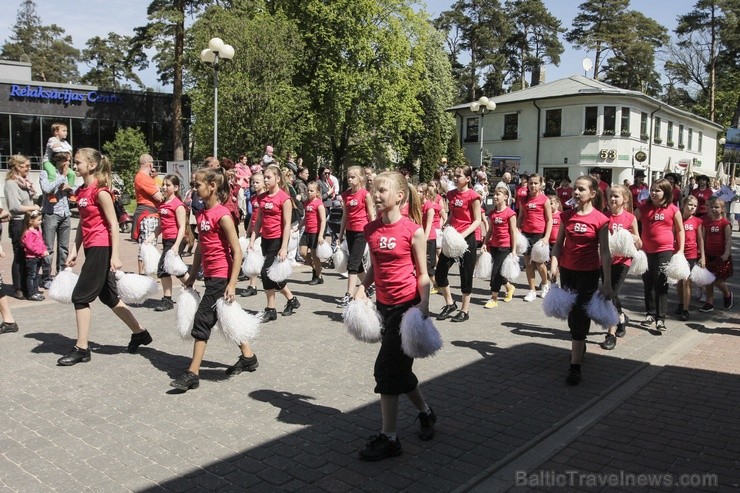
(574,375)
(77,355)
(447,311)
(269,314)
(621,328)
(250,291)
(379,447)
(164,305)
(7,328)
(648,320)
(660,326)
(36,297)
(316,280)
(610,342)
(708,307)
(243,364)
(461,316)
(426,425)
(186,381)
(370,291)
(344,300)
(290,306)
(684,316)
(141,339)
(729,301)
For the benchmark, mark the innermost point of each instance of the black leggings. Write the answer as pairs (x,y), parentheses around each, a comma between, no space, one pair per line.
(467,265)
(619,274)
(96,280)
(584,283)
(393,369)
(206,316)
(656,284)
(431,256)
(498,255)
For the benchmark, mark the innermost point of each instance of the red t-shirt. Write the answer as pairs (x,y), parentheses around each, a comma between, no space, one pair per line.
(623,220)
(701,197)
(461,208)
(168,218)
(521,195)
(657,227)
(691,245)
(436,207)
(255,200)
(271,209)
(313,218)
(565,194)
(354,205)
(714,236)
(95,228)
(393,262)
(533,208)
(677,196)
(635,190)
(555,227)
(580,250)
(499,224)
(215,250)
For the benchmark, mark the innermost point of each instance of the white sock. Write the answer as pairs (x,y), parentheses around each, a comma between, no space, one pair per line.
(391,435)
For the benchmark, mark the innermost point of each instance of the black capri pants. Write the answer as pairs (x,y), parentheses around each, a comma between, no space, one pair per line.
(166,247)
(467,265)
(656,284)
(270,249)
(309,240)
(498,255)
(356,245)
(205,317)
(584,283)
(619,275)
(96,280)
(393,372)
(431,256)
(533,238)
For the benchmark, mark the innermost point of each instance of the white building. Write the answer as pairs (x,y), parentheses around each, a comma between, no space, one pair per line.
(570,125)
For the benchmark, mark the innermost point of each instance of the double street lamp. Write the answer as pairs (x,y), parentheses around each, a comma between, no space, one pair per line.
(480,107)
(216,49)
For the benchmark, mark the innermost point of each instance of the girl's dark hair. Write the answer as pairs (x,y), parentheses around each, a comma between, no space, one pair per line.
(217,176)
(667,188)
(467,170)
(175,180)
(27,218)
(227,164)
(598,200)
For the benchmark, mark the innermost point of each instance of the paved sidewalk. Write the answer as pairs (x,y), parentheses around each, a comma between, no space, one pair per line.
(297,423)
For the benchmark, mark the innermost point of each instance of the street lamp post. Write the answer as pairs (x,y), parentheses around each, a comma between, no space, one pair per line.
(216,49)
(480,107)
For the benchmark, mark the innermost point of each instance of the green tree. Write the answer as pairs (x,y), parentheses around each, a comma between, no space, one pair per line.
(110,63)
(50,51)
(124,151)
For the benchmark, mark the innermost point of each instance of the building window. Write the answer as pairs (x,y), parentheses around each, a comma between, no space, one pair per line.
(5,135)
(511,126)
(85,133)
(26,132)
(680,137)
(553,119)
(670,134)
(625,126)
(690,139)
(699,143)
(644,126)
(471,129)
(656,131)
(589,123)
(610,120)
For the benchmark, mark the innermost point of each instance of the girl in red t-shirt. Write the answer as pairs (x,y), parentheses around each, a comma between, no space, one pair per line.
(702,193)
(464,216)
(535,223)
(398,268)
(98,234)
(273,225)
(173,219)
(258,187)
(662,235)
(620,217)
(693,250)
(313,233)
(357,211)
(718,246)
(500,241)
(556,208)
(219,252)
(430,214)
(580,253)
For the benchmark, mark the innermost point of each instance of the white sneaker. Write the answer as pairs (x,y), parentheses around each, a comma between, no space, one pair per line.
(531,296)
(545,290)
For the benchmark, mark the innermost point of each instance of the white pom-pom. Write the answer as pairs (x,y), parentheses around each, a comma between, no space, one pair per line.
(540,252)
(244,245)
(280,270)
(671,281)
(63,284)
(323,251)
(438,241)
(134,288)
(558,302)
(678,268)
(173,264)
(639,263)
(483,266)
(367,261)
(622,244)
(699,276)
(340,259)
(362,320)
(238,326)
(150,258)
(187,305)
(453,243)
(253,261)
(510,269)
(522,244)
(602,311)
(419,337)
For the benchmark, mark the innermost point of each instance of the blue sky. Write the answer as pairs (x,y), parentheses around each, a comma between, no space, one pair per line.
(92,18)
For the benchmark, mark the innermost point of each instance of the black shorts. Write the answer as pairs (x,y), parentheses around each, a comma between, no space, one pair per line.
(96,280)
(309,240)
(393,372)
(166,247)
(270,249)
(205,317)
(533,238)
(356,244)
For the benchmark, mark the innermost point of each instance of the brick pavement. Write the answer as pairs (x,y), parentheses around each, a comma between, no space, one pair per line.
(498,388)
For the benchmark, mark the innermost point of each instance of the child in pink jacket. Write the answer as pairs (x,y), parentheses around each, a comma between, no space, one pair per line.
(35,250)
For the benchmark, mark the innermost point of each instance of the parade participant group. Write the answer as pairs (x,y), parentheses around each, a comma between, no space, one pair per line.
(392,230)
